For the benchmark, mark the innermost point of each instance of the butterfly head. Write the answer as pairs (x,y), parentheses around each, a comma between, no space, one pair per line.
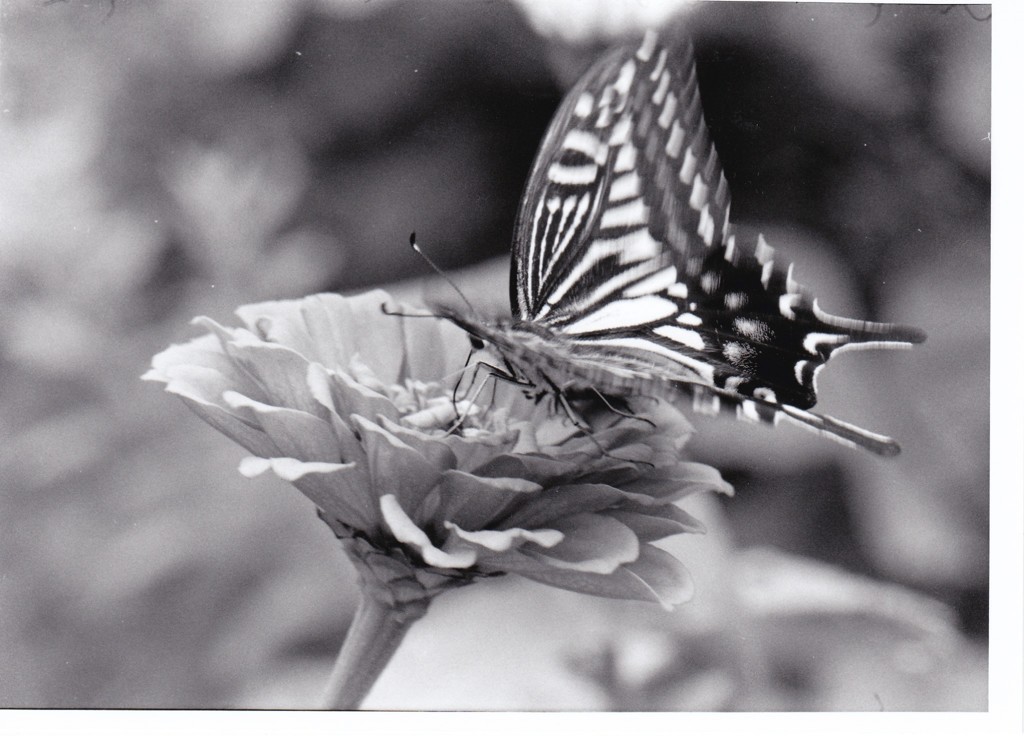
(481,333)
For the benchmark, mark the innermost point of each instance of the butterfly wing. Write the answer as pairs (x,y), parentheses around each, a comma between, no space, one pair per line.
(626,173)
(623,248)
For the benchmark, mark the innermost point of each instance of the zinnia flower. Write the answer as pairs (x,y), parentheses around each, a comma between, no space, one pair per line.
(355,407)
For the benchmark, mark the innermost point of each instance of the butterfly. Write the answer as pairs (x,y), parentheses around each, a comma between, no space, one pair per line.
(628,279)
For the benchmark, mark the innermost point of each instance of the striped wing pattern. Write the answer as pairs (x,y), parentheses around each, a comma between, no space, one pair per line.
(623,252)
(626,179)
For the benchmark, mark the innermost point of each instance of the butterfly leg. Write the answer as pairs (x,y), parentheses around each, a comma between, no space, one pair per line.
(458,383)
(507,374)
(462,417)
(574,417)
(581,425)
(628,413)
(492,372)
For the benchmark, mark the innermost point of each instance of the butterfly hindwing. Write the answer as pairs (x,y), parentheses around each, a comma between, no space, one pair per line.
(743,324)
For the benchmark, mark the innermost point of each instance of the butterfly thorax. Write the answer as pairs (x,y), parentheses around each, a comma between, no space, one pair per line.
(531,353)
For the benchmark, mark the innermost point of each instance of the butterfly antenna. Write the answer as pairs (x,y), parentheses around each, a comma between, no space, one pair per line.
(438,271)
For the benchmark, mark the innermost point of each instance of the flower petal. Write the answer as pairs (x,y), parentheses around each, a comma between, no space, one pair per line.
(320,389)
(395,467)
(562,501)
(285,322)
(526,443)
(653,523)
(405,531)
(350,397)
(286,468)
(471,501)
(473,450)
(224,334)
(437,415)
(217,416)
(295,433)
(678,481)
(280,371)
(503,541)
(593,543)
(381,346)
(340,327)
(540,468)
(338,489)
(432,447)
(196,382)
(206,356)
(279,322)
(622,435)
(666,577)
(655,576)
(672,425)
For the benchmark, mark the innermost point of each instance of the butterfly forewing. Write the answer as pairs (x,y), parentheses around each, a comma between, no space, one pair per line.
(624,253)
(626,181)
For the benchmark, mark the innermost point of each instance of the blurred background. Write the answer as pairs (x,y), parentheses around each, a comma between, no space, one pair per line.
(162,160)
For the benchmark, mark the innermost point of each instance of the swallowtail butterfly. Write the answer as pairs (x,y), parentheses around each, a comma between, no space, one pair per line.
(628,280)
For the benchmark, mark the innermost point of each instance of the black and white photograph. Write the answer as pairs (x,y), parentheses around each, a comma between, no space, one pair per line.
(500,356)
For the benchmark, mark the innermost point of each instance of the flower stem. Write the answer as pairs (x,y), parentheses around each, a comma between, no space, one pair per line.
(373,637)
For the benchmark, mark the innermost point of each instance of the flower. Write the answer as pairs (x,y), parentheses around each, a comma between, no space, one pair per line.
(355,407)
